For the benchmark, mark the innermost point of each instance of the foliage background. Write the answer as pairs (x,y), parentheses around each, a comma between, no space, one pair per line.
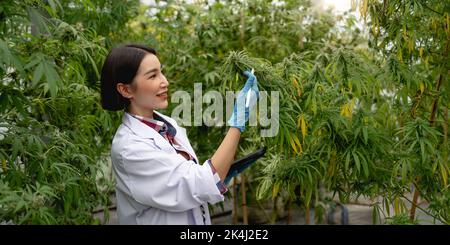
(363,109)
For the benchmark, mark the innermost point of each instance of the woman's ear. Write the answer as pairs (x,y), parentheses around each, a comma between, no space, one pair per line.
(124,90)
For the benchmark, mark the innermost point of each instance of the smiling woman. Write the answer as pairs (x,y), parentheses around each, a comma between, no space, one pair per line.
(121,67)
(158,175)
(149,89)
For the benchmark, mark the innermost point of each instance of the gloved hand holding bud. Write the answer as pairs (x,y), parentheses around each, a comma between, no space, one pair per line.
(245,102)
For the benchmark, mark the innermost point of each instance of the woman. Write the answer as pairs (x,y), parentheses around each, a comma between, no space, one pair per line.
(158,177)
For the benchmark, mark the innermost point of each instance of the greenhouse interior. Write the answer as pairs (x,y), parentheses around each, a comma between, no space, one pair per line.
(224,112)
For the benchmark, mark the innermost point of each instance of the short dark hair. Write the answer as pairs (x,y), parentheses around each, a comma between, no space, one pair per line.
(121,66)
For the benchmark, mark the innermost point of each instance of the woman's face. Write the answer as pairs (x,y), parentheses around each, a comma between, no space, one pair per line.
(149,89)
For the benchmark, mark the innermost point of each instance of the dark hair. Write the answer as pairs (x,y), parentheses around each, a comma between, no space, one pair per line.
(121,66)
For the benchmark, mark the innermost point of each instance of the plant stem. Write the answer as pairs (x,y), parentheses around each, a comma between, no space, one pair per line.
(414,203)
(235,201)
(274,211)
(244,200)
(423,210)
(289,216)
(307,215)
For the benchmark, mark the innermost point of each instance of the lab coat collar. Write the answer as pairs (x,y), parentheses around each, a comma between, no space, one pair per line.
(140,129)
(144,131)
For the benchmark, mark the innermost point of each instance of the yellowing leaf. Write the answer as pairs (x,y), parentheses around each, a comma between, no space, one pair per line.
(444,174)
(421,52)
(298,143)
(363,9)
(375,28)
(332,165)
(396,206)
(303,127)
(422,87)
(400,55)
(448,24)
(4,165)
(410,45)
(344,110)
(297,86)
(295,82)
(347,109)
(293,145)
(353,4)
(276,189)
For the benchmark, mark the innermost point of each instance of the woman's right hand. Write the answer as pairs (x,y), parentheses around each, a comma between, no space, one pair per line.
(241,112)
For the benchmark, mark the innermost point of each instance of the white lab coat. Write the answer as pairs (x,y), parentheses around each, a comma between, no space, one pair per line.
(154,184)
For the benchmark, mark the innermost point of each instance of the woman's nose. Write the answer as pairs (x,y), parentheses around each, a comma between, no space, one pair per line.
(165,82)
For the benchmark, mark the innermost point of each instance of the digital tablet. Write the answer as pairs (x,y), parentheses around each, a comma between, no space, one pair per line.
(243,163)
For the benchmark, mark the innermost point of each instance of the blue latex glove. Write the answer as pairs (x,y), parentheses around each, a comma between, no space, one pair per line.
(241,113)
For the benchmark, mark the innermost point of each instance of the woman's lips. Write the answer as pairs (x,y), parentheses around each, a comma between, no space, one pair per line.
(162,95)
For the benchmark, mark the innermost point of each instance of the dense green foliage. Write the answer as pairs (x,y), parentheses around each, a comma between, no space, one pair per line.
(54,131)
(363,112)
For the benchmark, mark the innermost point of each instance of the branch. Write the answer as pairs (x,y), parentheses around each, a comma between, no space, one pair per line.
(426,6)
(423,210)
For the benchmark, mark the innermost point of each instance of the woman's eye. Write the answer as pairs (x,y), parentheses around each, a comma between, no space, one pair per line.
(152,76)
